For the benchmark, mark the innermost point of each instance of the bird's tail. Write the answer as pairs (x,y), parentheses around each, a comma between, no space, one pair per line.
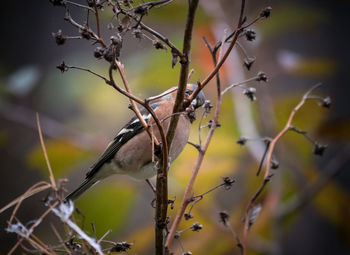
(81,189)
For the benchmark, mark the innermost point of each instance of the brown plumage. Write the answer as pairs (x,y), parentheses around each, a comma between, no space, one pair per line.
(130,152)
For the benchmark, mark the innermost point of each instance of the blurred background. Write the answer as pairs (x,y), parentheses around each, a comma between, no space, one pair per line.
(303,42)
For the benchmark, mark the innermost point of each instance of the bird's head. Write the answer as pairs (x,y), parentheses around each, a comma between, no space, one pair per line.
(199,100)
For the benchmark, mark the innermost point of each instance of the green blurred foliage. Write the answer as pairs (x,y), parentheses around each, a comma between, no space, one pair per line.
(63,157)
(107,206)
(294,16)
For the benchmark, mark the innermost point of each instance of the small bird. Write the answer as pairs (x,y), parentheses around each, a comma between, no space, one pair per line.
(130,152)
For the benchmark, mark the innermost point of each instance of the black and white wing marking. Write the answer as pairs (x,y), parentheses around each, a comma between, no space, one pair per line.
(131,129)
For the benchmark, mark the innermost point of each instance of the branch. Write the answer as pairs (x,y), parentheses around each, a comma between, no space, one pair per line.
(133,104)
(267,175)
(285,129)
(184,70)
(164,39)
(187,195)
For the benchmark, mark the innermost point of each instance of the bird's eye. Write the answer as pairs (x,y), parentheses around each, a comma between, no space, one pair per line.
(188,91)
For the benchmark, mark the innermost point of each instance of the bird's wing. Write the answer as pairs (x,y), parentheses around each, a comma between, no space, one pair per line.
(131,129)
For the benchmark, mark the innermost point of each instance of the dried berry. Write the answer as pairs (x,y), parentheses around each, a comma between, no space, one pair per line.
(141,10)
(59,38)
(98,52)
(223,217)
(250,93)
(265,13)
(116,39)
(121,246)
(242,140)
(188,216)
(207,106)
(137,33)
(62,67)
(158,45)
(175,58)
(248,62)
(228,181)
(85,33)
(250,35)
(319,149)
(274,164)
(326,102)
(210,123)
(57,2)
(196,227)
(254,213)
(261,76)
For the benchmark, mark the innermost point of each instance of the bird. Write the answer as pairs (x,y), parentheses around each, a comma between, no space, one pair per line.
(130,152)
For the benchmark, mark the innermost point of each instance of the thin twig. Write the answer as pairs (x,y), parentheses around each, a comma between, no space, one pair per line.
(285,129)
(60,238)
(80,5)
(52,178)
(238,84)
(30,192)
(133,104)
(89,71)
(163,39)
(267,175)
(237,32)
(97,20)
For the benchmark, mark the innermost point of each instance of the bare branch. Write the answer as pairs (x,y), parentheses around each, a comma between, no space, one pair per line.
(52,178)
(187,195)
